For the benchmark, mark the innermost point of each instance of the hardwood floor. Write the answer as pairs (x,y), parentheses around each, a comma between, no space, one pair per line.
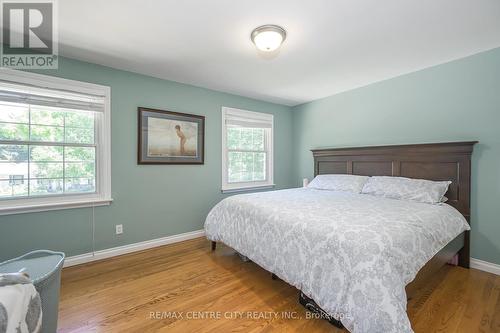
(171,288)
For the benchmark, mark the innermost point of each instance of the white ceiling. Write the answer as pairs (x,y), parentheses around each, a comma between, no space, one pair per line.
(332,45)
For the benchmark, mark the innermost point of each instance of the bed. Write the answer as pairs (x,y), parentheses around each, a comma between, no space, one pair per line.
(359,257)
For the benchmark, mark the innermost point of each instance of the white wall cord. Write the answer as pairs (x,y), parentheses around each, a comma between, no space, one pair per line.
(93,230)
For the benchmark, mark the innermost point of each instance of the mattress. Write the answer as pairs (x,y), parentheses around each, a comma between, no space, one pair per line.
(352,253)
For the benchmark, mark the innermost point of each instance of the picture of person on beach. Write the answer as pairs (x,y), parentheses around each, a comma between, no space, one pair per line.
(182,138)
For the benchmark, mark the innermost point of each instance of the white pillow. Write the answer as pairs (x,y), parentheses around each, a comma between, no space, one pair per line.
(334,182)
(420,190)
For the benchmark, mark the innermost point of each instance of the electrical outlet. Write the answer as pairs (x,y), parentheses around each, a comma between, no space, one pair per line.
(119,229)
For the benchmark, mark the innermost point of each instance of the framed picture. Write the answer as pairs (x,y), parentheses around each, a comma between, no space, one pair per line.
(167,137)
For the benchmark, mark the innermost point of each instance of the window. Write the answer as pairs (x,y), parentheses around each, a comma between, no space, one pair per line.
(247,150)
(54,143)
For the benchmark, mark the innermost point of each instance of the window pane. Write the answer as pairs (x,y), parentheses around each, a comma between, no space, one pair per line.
(13,153)
(80,119)
(234,167)
(246,166)
(13,189)
(10,171)
(79,154)
(13,170)
(17,132)
(14,113)
(46,186)
(46,170)
(47,116)
(240,138)
(259,166)
(47,133)
(80,169)
(79,185)
(46,154)
(258,138)
(79,135)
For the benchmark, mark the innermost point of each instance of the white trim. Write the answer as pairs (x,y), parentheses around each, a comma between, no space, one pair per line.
(249,188)
(51,82)
(103,153)
(485,266)
(227,187)
(61,204)
(120,250)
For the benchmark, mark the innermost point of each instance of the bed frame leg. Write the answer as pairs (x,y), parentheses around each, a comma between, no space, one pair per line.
(214,245)
(464,253)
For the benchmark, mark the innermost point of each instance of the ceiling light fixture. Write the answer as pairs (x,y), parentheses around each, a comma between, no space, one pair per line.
(268,37)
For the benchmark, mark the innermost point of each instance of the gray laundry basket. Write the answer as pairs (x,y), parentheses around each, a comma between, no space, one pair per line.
(44,268)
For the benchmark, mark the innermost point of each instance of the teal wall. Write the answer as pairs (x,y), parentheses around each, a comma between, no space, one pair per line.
(456,101)
(150,201)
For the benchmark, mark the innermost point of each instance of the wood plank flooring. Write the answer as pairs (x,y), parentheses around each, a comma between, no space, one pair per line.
(185,287)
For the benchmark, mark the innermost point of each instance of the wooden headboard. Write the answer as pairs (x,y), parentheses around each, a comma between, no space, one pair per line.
(435,161)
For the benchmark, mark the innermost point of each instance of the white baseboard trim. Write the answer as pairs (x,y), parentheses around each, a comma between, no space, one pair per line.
(119,250)
(485,266)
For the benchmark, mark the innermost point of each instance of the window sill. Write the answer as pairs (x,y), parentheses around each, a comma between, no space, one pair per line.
(247,188)
(47,206)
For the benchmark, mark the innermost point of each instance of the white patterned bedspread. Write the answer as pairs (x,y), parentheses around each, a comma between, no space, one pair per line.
(352,253)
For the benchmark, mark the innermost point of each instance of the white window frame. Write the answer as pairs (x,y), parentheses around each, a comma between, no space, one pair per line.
(102,196)
(269,147)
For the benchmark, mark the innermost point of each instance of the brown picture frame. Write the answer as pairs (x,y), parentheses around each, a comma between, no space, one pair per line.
(143,146)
